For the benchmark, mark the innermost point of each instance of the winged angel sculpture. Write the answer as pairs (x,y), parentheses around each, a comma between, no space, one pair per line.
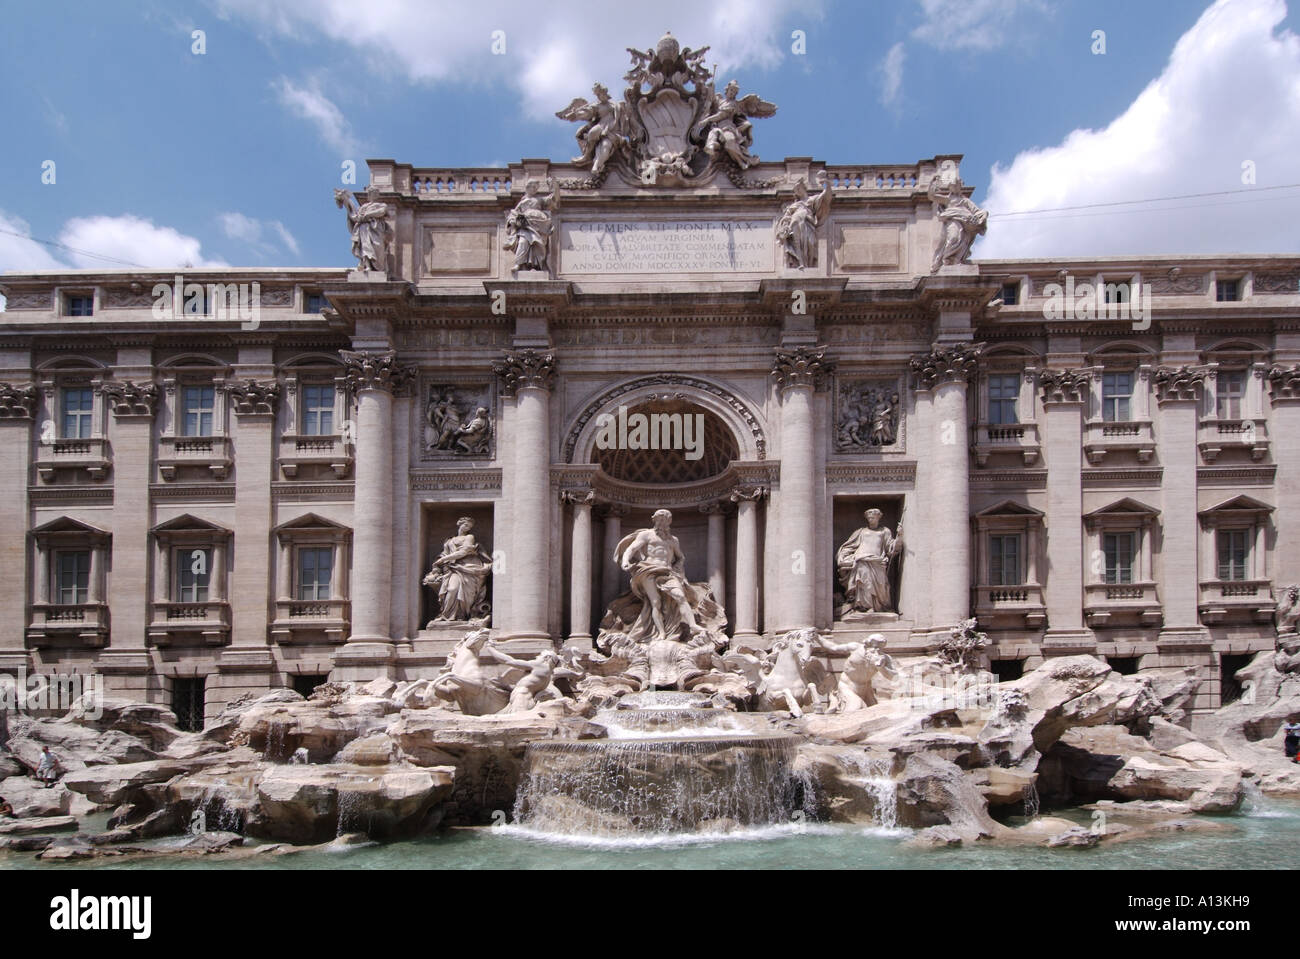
(671,123)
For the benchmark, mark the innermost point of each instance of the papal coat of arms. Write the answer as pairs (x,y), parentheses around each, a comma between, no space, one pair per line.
(672,126)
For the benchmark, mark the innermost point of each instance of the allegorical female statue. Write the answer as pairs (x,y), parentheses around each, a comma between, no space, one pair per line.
(960,220)
(460,575)
(796,231)
(529,224)
(370,229)
(863,566)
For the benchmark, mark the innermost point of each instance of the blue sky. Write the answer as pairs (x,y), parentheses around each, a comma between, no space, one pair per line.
(163,156)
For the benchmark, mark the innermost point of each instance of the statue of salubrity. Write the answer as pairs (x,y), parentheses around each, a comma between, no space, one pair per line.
(863,565)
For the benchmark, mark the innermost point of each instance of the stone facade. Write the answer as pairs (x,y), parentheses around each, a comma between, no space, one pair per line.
(255,500)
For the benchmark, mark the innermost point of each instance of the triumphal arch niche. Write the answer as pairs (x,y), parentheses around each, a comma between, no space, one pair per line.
(666,398)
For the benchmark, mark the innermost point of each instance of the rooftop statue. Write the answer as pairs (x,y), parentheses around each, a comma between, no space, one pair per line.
(529,225)
(370,228)
(960,220)
(605,131)
(797,228)
(727,130)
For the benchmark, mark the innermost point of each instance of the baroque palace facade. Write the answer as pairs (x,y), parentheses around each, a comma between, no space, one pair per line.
(348,470)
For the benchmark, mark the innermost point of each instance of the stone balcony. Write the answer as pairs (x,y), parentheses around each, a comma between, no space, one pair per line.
(1021,438)
(1236,601)
(212,453)
(208,622)
(1213,436)
(1011,607)
(305,620)
(1122,604)
(83,624)
(298,451)
(92,455)
(1132,436)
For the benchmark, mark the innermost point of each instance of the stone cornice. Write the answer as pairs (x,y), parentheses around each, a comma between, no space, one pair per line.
(524,370)
(1177,385)
(946,364)
(841,474)
(802,366)
(1065,386)
(365,370)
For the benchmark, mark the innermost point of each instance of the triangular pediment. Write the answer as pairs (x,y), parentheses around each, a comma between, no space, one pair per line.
(1009,508)
(309,521)
(188,522)
(66,524)
(1239,504)
(1121,507)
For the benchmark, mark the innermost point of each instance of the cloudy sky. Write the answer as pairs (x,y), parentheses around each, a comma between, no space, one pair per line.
(161,155)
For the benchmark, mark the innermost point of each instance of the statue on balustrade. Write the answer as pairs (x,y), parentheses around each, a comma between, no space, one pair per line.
(796,231)
(529,226)
(460,575)
(960,220)
(863,564)
(370,228)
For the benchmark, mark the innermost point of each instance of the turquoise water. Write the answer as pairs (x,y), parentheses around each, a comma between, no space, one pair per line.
(1268,837)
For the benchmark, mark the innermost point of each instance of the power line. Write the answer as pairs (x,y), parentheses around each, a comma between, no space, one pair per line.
(1157,199)
(73,249)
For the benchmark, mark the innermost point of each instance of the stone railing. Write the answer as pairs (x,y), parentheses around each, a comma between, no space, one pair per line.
(1242,600)
(1213,436)
(329,450)
(212,452)
(1019,438)
(209,620)
(90,454)
(1122,604)
(1020,606)
(307,619)
(443,184)
(875,179)
(1101,437)
(85,623)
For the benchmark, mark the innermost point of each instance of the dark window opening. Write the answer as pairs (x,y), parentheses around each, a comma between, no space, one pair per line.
(306,684)
(1010,294)
(313,303)
(1124,665)
(1008,670)
(81,305)
(1225,291)
(1230,689)
(187,703)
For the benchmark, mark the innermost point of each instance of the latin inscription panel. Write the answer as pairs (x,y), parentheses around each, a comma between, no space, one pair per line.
(666,246)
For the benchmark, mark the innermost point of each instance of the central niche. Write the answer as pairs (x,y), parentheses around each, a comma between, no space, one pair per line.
(665,440)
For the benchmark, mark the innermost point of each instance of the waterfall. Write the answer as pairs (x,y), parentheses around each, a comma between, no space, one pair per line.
(873,775)
(1031,800)
(670,768)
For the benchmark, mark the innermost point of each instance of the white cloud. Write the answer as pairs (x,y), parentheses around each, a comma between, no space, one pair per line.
(310,104)
(891,75)
(22,252)
(552,53)
(1229,94)
(972,24)
(251,232)
(132,239)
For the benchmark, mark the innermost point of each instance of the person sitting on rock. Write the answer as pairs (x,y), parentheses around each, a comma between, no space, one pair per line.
(6,809)
(46,768)
(1292,741)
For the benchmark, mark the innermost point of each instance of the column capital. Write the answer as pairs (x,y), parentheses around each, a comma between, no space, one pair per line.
(1284,383)
(128,399)
(956,363)
(715,508)
(254,397)
(1173,385)
(613,511)
(802,366)
(748,494)
(17,402)
(1065,386)
(525,369)
(572,497)
(366,370)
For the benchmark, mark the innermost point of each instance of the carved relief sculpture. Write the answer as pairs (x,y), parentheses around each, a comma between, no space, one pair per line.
(960,220)
(529,226)
(796,231)
(461,427)
(460,575)
(862,564)
(868,416)
(370,228)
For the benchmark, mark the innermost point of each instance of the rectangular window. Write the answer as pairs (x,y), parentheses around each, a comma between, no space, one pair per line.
(188,698)
(198,402)
(1116,292)
(1004,391)
(1119,549)
(1232,553)
(1010,294)
(193,574)
(313,303)
(317,410)
(1004,561)
(80,304)
(73,577)
(1225,291)
(1230,388)
(1116,391)
(77,412)
(315,565)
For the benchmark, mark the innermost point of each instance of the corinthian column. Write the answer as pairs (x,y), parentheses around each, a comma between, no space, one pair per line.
(799,372)
(1065,395)
(372,377)
(528,375)
(580,568)
(944,373)
(717,551)
(746,615)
